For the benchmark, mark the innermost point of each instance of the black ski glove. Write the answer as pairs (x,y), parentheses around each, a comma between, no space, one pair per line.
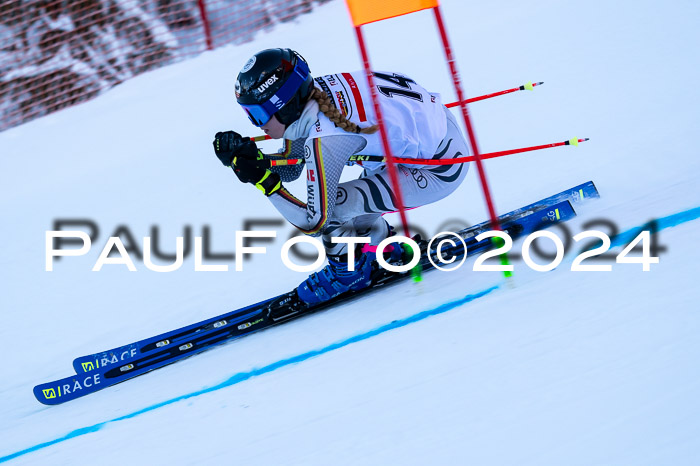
(247,161)
(229,144)
(248,171)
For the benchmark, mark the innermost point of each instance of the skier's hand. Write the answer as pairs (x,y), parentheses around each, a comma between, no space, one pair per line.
(248,170)
(229,144)
(247,161)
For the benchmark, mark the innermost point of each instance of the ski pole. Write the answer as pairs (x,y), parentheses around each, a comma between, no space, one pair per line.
(529,86)
(471,158)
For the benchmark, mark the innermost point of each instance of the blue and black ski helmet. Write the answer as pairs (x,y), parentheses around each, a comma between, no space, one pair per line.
(274,82)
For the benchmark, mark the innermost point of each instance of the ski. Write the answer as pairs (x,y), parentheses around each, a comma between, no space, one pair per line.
(101,370)
(244,318)
(288,306)
(576,195)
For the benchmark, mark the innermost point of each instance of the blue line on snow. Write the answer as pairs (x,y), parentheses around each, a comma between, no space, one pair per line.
(623,238)
(243,376)
(662,223)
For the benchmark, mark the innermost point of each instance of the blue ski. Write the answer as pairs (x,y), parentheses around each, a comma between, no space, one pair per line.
(239,317)
(243,318)
(129,361)
(92,362)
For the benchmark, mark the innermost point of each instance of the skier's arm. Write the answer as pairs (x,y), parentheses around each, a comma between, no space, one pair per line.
(325,159)
(293,150)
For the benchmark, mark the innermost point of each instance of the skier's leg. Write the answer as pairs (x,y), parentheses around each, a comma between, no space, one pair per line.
(361,202)
(359,206)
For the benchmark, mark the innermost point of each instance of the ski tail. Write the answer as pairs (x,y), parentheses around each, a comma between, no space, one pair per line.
(122,354)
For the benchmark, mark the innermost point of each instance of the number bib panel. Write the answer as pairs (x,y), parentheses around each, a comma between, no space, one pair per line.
(414,118)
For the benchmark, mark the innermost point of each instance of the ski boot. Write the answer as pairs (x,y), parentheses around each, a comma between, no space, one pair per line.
(335,279)
(394,254)
(332,281)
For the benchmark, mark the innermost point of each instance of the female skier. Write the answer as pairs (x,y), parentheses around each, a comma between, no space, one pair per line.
(326,121)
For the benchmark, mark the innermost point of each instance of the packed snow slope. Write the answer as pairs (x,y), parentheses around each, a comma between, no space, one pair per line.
(563,368)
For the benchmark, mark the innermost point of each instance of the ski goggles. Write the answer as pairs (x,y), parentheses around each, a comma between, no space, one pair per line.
(260,114)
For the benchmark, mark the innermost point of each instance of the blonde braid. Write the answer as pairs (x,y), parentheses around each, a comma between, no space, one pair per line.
(333,114)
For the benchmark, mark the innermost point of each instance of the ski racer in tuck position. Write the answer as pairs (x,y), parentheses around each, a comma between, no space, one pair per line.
(326,121)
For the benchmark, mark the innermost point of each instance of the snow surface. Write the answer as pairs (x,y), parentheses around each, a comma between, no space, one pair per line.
(564,368)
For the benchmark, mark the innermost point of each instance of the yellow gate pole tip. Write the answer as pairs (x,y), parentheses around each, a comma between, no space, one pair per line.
(530,86)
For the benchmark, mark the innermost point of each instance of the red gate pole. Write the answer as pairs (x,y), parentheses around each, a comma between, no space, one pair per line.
(391,166)
(495,224)
(205,22)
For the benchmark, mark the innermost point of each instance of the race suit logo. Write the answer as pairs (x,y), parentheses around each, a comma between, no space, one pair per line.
(331,79)
(341,196)
(310,200)
(342,104)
